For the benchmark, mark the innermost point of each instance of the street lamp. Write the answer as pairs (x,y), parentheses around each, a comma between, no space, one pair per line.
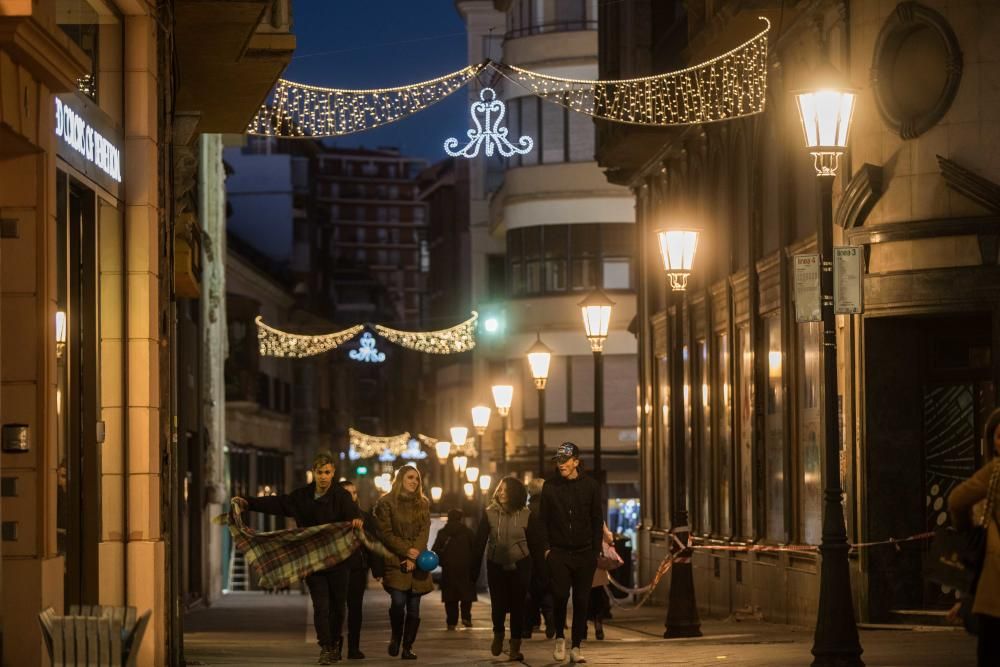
(539,358)
(503,397)
(596,310)
(480,420)
(436,493)
(484,483)
(677,248)
(826,113)
(459,434)
(442,448)
(470,490)
(472,473)
(460,462)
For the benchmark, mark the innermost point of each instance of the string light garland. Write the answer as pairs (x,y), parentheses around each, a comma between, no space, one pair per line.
(459,338)
(300,110)
(731,85)
(374,445)
(277,343)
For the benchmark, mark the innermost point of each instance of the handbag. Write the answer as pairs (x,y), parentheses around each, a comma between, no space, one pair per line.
(956,557)
(609,559)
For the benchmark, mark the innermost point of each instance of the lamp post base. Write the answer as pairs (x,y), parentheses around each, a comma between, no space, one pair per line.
(682,610)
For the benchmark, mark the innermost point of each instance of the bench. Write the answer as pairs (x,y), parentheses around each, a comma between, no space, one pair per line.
(93,636)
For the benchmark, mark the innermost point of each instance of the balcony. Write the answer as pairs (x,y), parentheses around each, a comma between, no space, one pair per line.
(230,54)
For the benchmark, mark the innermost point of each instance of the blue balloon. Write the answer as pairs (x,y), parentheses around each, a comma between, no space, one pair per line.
(427,560)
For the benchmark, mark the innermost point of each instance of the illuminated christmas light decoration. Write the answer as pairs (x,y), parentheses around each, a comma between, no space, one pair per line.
(300,110)
(373,445)
(386,456)
(276,343)
(459,338)
(367,352)
(413,451)
(731,85)
(488,131)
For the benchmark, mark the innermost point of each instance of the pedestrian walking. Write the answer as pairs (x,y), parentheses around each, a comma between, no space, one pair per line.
(600,604)
(961,501)
(453,545)
(538,603)
(506,535)
(404,521)
(313,505)
(360,562)
(571,534)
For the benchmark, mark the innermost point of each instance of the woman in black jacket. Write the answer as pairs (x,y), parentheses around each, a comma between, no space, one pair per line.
(453,546)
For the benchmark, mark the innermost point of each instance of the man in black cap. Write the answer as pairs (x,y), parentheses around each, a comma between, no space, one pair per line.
(571,532)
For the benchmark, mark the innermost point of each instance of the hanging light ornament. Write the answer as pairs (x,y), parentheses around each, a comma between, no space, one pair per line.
(488,131)
(276,343)
(373,445)
(367,351)
(459,338)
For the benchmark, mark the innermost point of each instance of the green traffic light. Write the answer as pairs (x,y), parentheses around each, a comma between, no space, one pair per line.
(361,470)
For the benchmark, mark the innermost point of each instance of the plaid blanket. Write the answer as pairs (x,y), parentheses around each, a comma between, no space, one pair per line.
(282,557)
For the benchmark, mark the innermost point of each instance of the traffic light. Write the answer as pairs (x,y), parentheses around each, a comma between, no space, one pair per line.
(361,471)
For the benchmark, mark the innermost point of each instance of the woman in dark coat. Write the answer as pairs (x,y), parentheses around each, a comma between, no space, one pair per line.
(454,547)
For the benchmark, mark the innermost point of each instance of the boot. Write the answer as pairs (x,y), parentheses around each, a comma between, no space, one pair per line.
(496,648)
(337,649)
(324,656)
(550,627)
(410,636)
(396,621)
(599,629)
(515,650)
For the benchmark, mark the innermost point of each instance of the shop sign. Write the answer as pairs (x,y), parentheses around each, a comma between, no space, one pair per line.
(807,291)
(88,140)
(847,292)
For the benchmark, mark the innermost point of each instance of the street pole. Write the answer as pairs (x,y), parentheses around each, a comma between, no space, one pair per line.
(541,431)
(599,422)
(836,642)
(503,445)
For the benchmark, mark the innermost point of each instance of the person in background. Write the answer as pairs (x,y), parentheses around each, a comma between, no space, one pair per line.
(600,605)
(986,604)
(403,516)
(504,534)
(572,529)
(453,546)
(359,563)
(538,603)
(313,505)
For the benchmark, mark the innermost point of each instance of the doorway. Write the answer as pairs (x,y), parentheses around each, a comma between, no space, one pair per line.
(928,390)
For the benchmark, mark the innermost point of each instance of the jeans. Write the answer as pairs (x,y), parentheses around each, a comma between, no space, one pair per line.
(400,601)
(451,611)
(328,590)
(508,591)
(357,583)
(571,569)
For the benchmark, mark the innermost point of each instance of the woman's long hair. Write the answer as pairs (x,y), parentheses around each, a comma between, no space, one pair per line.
(992,423)
(517,495)
(397,485)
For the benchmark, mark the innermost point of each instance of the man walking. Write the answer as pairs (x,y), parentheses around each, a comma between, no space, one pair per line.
(359,563)
(571,531)
(313,505)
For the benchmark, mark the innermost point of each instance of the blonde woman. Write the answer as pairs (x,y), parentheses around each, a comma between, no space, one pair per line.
(404,520)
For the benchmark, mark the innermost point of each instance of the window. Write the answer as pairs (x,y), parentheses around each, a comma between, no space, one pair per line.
(556,240)
(529,126)
(514,127)
(745,425)
(552,137)
(723,432)
(774,433)
(585,252)
(808,379)
(556,258)
(706,469)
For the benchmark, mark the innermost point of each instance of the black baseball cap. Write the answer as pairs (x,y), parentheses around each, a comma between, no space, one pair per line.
(566,451)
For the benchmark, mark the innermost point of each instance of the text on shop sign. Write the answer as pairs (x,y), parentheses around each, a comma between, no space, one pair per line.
(88,142)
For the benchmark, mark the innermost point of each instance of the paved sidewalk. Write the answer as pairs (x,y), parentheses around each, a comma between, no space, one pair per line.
(258,629)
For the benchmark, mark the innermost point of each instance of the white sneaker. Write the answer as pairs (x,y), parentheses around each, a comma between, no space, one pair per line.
(576,655)
(560,651)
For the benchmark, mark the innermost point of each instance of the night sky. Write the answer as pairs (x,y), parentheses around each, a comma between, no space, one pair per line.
(381,43)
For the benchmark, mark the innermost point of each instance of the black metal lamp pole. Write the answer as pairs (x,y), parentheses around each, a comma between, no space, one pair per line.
(503,443)
(598,413)
(540,383)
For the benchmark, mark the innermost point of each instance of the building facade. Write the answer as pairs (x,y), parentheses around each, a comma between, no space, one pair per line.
(731,430)
(98,157)
(561,230)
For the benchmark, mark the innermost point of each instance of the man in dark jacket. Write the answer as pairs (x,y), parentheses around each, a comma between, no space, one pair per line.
(315,504)
(453,546)
(359,563)
(571,532)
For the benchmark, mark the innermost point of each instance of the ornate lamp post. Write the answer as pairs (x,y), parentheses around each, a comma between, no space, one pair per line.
(596,310)
(503,397)
(677,247)
(826,113)
(539,359)
(480,420)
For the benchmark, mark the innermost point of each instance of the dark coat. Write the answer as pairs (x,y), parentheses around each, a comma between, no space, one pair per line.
(362,559)
(539,573)
(572,519)
(961,501)
(453,546)
(404,523)
(335,506)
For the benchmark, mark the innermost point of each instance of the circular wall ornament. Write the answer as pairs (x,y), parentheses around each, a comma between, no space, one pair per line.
(916,69)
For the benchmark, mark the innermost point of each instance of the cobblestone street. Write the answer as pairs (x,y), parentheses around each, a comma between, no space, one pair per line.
(257,629)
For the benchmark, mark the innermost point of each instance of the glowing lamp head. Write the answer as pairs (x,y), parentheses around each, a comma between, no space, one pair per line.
(826,112)
(481,417)
(442,448)
(436,493)
(459,434)
(596,310)
(484,483)
(491,325)
(460,463)
(539,358)
(677,248)
(61,327)
(503,397)
(472,473)
(470,490)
